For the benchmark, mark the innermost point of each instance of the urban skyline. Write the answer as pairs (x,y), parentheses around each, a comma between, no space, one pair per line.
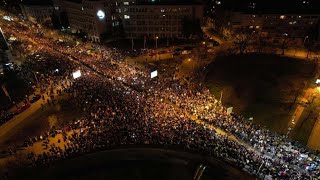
(160,89)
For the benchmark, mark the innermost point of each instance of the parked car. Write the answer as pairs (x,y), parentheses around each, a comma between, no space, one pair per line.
(214,43)
(23,108)
(188,48)
(5,118)
(210,50)
(152,54)
(178,50)
(186,52)
(175,53)
(35,98)
(163,52)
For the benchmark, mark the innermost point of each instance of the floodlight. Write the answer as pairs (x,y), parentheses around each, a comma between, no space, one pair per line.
(101,14)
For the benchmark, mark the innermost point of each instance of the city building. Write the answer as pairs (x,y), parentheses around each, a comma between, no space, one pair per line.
(90,17)
(37,10)
(274,24)
(136,19)
(157,20)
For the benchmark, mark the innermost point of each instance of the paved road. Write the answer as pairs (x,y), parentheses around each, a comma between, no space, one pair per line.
(8,129)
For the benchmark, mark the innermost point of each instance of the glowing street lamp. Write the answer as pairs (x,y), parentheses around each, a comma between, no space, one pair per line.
(101,14)
(157,42)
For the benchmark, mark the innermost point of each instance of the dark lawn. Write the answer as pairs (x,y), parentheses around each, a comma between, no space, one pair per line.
(260,86)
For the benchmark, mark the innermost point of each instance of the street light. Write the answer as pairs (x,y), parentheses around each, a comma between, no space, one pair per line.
(305,38)
(157,42)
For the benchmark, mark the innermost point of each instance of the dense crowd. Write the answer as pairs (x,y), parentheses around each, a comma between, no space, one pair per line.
(124,106)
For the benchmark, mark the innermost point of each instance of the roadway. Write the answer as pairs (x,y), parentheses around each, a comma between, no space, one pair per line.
(16,124)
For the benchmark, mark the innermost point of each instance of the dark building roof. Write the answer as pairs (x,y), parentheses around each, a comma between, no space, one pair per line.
(168,2)
(75,1)
(274,6)
(37,2)
(80,1)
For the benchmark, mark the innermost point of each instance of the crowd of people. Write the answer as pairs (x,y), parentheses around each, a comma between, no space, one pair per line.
(124,106)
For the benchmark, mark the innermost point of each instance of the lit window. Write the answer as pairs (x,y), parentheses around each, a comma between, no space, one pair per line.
(82,8)
(126,17)
(257,27)
(125,3)
(282,17)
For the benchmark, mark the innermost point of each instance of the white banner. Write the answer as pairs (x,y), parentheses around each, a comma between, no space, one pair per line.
(229,110)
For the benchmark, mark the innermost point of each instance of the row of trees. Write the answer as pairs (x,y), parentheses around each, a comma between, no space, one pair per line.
(248,39)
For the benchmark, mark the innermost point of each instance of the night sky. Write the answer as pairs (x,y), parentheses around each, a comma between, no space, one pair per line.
(269,4)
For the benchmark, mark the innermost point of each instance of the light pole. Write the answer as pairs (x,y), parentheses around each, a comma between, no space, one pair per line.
(157,42)
(35,75)
(132,43)
(305,38)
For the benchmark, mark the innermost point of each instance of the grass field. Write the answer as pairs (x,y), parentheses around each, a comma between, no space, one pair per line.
(263,87)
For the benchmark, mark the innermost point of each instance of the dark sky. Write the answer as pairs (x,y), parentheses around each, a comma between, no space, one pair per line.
(284,5)
(275,3)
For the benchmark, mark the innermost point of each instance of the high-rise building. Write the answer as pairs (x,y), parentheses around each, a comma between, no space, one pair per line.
(37,10)
(273,23)
(91,17)
(137,18)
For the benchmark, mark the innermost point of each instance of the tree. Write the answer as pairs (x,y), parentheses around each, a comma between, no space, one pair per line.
(309,45)
(55,21)
(64,19)
(241,40)
(310,40)
(284,43)
(227,33)
(104,36)
(118,30)
(261,43)
(191,27)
